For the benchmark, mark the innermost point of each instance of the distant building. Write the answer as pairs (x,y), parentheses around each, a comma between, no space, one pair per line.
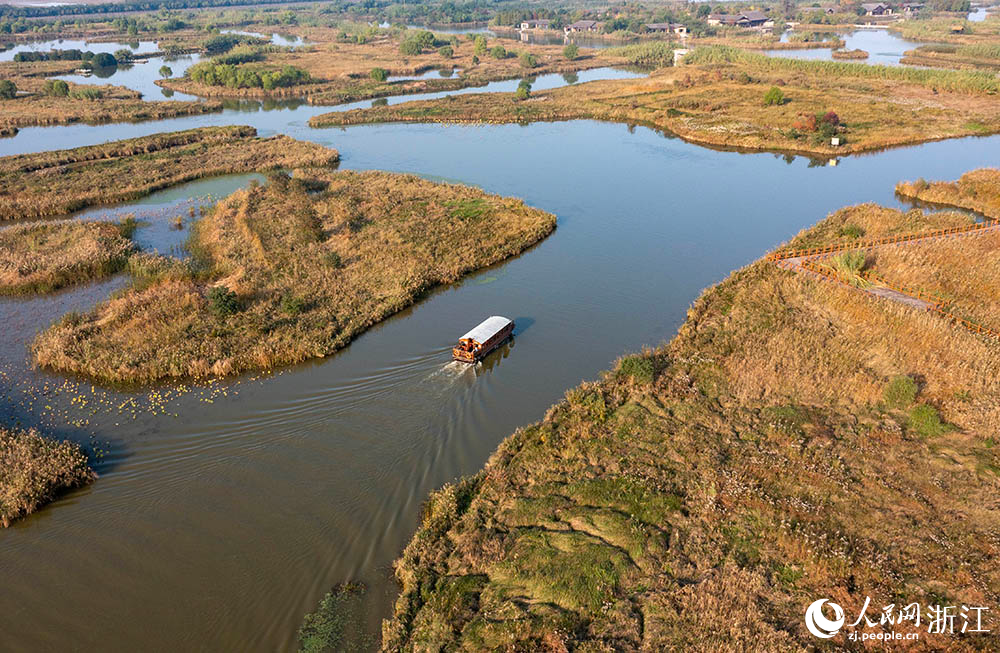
(744,19)
(877,9)
(582,26)
(911,8)
(541,23)
(667,28)
(829,9)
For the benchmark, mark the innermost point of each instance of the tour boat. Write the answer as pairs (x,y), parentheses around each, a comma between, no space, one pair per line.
(486,337)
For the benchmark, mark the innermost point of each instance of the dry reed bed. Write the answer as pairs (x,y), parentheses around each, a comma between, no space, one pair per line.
(963,273)
(340,71)
(977,190)
(34,470)
(720,102)
(57,182)
(118,104)
(861,224)
(729,477)
(44,256)
(309,272)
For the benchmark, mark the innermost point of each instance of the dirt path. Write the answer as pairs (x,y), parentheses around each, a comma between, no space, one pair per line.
(795,263)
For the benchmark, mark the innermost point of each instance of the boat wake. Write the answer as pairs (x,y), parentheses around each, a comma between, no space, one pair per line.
(451,372)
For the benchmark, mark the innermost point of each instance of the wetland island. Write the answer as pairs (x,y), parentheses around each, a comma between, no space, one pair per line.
(744,397)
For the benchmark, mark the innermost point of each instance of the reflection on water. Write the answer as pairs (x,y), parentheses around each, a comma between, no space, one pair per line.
(73,44)
(288,40)
(280,116)
(225,511)
(883,47)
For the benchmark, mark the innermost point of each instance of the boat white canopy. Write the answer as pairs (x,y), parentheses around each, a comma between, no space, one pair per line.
(487,329)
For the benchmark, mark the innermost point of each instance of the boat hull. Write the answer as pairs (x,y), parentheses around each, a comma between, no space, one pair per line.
(484,350)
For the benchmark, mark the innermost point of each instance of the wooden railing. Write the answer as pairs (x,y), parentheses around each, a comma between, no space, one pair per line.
(935,303)
(781,255)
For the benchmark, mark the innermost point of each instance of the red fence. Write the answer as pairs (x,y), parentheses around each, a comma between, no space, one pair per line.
(935,304)
(888,240)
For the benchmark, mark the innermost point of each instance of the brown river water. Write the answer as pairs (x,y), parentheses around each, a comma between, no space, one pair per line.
(225,511)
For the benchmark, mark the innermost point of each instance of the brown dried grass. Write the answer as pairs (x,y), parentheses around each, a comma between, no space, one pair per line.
(34,470)
(62,181)
(720,104)
(758,471)
(311,271)
(44,256)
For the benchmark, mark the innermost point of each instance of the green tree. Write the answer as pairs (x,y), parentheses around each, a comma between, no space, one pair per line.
(571,51)
(223,301)
(447,52)
(774,96)
(409,47)
(56,88)
(480,46)
(379,74)
(523,91)
(104,60)
(498,52)
(165,72)
(123,55)
(8,90)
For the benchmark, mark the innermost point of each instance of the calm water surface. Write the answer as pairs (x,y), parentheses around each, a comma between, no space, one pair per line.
(225,512)
(883,47)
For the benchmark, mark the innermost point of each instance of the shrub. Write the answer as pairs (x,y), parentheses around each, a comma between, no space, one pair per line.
(56,88)
(523,91)
(528,60)
(774,97)
(410,47)
(852,231)
(475,60)
(849,265)
(223,301)
(901,392)
(8,90)
(293,305)
(638,368)
(571,51)
(498,52)
(447,52)
(479,48)
(379,74)
(926,421)
(104,60)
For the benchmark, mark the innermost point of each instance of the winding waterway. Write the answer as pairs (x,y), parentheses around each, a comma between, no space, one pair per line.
(225,512)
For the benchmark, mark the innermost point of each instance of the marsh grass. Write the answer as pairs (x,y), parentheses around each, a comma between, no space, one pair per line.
(288,271)
(44,256)
(85,103)
(62,181)
(715,99)
(849,265)
(342,71)
(759,468)
(34,470)
(978,190)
